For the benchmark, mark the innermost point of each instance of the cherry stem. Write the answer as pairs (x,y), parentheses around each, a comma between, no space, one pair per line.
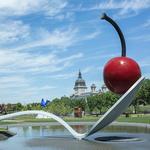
(121,36)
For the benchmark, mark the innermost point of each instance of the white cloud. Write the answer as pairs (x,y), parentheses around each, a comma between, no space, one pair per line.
(91,35)
(67,15)
(124,7)
(145,62)
(147,24)
(25,94)
(145,38)
(21,77)
(70,58)
(68,75)
(6,79)
(134,5)
(63,76)
(26,62)
(35,90)
(58,38)
(12,81)
(55,7)
(100,55)
(87,69)
(25,7)
(12,31)
(16,7)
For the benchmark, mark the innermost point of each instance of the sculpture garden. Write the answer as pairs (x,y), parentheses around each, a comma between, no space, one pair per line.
(116,117)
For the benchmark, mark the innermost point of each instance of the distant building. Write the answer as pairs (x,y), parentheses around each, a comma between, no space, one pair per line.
(93,88)
(80,85)
(80,88)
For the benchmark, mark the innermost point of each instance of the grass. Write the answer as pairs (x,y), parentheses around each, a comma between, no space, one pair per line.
(133,118)
(2,129)
(33,119)
(84,118)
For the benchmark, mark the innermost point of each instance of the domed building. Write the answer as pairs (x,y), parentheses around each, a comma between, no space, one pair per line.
(80,88)
(80,85)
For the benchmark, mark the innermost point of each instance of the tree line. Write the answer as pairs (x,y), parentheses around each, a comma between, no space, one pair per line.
(95,104)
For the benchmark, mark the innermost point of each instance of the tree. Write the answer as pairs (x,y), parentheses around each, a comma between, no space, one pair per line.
(101,102)
(19,107)
(91,102)
(144,91)
(60,107)
(109,99)
(78,103)
(142,96)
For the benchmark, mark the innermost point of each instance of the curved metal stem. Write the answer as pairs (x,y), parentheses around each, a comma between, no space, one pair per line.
(114,24)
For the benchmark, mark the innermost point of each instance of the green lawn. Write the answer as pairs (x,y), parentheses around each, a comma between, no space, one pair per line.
(135,119)
(2,129)
(22,119)
(132,118)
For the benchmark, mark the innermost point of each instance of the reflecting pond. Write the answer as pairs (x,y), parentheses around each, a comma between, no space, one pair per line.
(55,137)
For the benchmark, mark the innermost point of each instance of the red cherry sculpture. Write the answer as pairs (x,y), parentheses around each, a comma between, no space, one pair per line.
(120,73)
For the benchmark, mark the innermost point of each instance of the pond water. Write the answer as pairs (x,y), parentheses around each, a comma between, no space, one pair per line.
(55,137)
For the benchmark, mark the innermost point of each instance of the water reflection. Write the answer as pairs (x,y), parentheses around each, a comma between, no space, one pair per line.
(131,129)
(68,144)
(56,137)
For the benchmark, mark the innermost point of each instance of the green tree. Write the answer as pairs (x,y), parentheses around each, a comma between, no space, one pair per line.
(101,102)
(109,99)
(78,103)
(144,91)
(60,107)
(91,102)
(142,96)
(19,107)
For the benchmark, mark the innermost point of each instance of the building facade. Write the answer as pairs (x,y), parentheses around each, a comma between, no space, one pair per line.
(80,88)
(80,85)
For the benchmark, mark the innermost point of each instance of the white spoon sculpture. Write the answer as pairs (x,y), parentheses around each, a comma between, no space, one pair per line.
(117,109)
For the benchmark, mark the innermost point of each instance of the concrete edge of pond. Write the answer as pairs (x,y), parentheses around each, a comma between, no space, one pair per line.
(145,125)
(6,134)
(77,123)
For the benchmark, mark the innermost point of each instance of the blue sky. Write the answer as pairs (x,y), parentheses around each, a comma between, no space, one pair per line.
(43,44)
